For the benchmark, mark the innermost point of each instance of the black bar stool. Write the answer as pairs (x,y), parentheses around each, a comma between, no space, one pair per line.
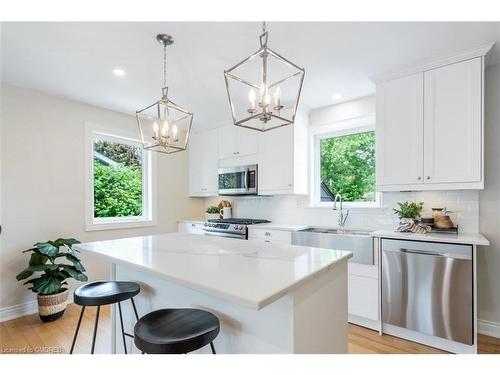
(101,293)
(176,331)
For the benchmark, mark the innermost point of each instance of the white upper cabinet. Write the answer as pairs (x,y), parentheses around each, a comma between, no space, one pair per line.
(430,125)
(203,164)
(283,159)
(452,123)
(399,131)
(235,141)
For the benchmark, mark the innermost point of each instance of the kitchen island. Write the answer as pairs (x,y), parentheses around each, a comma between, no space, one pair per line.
(269,298)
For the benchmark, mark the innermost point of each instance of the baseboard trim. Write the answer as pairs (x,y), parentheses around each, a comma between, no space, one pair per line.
(23,309)
(16,311)
(488,328)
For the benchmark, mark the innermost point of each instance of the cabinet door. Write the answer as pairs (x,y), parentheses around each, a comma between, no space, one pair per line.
(399,131)
(276,160)
(235,141)
(452,123)
(203,163)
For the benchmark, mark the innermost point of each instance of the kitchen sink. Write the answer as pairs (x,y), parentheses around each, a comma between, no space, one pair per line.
(351,232)
(356,241)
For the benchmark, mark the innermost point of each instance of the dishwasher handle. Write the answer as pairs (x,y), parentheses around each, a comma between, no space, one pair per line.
(428,253)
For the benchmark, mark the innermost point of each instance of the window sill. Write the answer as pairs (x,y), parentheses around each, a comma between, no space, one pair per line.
(122,224)
(346,207)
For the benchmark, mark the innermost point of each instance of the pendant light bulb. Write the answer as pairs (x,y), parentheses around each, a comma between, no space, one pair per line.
(156,129)
(174,132)
(165,128)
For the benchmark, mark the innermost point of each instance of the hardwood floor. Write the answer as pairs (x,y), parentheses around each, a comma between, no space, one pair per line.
(29,335)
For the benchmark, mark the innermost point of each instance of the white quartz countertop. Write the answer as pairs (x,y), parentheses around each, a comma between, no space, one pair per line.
(462,238)
(250,273)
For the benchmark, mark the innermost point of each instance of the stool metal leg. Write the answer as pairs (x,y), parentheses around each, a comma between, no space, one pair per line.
(135,309)
(123,331)
(95,328)
(212,347)
(77,329)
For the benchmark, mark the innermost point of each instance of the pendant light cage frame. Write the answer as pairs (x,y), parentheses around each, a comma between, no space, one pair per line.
(262,115)
(164,126)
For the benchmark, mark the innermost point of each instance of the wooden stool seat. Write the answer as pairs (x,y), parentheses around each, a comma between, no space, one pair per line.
(99,293)
(175,331)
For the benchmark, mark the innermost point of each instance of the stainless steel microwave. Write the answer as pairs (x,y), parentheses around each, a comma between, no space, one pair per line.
(238,180)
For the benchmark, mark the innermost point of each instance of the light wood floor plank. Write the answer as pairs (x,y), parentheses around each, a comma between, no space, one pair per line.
(29,333)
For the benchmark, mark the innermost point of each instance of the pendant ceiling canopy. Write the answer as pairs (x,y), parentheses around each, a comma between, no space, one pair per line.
(164,125)
(264,89)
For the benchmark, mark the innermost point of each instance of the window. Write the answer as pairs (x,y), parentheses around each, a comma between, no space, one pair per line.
(345,164)
(119,181)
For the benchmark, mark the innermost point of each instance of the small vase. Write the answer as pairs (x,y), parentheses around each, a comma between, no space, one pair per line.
(212,216)
(52,306)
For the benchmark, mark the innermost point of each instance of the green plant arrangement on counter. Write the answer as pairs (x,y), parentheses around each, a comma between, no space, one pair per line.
(50,287)
(212,210)
(409,210)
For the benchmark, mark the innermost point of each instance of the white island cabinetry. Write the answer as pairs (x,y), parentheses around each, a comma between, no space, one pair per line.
(269,298)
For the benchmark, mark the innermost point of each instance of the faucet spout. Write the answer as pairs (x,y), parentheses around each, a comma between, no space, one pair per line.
(341,216)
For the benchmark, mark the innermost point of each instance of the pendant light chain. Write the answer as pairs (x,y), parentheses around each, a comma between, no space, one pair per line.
(263,26)
(164,65)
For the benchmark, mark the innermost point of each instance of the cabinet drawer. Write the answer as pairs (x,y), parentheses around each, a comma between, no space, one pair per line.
(194,228)
(271,235)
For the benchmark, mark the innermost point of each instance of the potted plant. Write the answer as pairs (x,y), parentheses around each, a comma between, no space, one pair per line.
(409,214)
(52,295)
(212,212)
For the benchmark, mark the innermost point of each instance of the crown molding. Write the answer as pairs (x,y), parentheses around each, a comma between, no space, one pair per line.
(479,51)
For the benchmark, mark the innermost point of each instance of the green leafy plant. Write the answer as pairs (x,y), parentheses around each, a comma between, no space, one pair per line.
(348,166)
(44,258)
(212,210)
(409,210)
(117,190)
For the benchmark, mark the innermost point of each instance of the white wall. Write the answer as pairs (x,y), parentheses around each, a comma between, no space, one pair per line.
(43,181)
(489,203)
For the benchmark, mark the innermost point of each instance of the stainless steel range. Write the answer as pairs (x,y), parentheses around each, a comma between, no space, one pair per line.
(234,228)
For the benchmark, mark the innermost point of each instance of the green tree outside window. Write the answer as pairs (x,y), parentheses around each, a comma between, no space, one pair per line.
(117,180)
(347,166)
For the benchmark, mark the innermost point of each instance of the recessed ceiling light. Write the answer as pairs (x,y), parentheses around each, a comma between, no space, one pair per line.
(336,97)
(119,72)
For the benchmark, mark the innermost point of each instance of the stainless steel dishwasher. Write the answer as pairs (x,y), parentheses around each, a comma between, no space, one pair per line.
(427,287)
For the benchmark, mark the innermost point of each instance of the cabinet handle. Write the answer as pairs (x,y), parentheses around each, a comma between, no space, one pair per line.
(419,178)
(193,225)
(428,178)
(267,241)
(267,234)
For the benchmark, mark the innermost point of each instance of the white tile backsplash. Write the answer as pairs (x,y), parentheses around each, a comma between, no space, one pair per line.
(296,210)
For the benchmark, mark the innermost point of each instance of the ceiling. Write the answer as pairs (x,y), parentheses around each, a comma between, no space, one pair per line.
(76,60)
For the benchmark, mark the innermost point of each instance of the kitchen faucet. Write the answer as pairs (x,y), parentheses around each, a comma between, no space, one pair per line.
(341,217)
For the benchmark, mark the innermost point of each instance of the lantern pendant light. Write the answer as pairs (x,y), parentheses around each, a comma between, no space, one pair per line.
(164,126)
(264,89)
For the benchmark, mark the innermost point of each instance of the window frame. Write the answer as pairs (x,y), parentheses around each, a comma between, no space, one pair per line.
(337,129)
(148,217)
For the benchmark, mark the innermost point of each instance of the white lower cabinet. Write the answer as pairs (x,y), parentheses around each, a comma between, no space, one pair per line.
(268,236)
(363,297)
(190,227)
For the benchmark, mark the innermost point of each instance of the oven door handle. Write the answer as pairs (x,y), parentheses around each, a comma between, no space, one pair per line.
(224,234)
